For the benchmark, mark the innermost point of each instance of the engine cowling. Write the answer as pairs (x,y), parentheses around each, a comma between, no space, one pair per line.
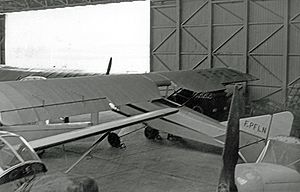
(264,177)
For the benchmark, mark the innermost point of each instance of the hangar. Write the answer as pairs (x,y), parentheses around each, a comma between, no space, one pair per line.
(253,36)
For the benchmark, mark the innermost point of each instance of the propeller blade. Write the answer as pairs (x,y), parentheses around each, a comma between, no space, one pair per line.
(109,66)
(231,147)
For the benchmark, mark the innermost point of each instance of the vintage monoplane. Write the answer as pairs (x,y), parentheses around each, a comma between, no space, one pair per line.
(276,169)
(26,107)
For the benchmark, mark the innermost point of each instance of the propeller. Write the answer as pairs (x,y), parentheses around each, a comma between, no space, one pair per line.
(109,66)
(231,147)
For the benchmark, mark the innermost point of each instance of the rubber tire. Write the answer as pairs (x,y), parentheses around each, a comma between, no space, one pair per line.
(151,133)
(114,140)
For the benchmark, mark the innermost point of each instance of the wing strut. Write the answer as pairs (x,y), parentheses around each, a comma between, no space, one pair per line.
(88,151)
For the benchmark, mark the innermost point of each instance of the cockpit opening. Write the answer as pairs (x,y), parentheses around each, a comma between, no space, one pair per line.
(17,158)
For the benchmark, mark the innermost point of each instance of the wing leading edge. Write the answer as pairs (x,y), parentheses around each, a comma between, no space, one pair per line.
(98,129)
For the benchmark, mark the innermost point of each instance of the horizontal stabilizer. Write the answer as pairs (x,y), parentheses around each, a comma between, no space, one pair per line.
(98,129)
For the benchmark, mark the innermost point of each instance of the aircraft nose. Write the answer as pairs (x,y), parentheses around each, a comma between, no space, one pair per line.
(247,179)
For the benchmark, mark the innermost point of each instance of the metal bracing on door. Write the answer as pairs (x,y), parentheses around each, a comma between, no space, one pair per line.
(254,36)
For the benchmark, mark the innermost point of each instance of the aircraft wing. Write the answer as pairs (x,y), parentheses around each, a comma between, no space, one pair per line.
(202,80)
(9,73)
(23,102)
(198,127)
(186,123)
(98,129)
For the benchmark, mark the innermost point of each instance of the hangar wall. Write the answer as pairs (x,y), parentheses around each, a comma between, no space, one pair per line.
(254,36)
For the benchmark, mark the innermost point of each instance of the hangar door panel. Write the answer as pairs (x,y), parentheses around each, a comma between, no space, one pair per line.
(163,36)
(228,34)
(197,34)
(194,34)
(267,53)
(254,36)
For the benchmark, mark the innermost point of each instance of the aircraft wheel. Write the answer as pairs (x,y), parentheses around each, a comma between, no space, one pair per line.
(114,140)
(151,133)
(198,109)
(171,137)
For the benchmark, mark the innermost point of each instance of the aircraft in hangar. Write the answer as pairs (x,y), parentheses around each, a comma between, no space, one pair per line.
(276,169)
(26,106)
(19,162)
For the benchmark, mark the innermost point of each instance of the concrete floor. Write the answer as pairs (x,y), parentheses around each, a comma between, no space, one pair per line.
(144,165)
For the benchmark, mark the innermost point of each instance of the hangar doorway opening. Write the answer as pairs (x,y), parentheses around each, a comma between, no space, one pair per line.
(81,37)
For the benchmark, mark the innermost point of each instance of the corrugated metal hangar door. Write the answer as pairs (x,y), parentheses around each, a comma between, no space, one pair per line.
(254,36)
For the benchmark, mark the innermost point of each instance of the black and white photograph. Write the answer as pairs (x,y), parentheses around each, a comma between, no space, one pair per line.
(149,96)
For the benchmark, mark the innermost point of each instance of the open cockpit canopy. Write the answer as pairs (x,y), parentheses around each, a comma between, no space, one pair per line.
(282,150)
(17,158)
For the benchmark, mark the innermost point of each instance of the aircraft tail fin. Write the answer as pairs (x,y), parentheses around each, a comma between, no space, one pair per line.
(231,147)
(266,126)
(254,131)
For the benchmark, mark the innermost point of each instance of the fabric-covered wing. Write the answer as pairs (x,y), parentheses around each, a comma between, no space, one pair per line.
(198,127)
(98,129)
(226,75)
(24,102)
(8,73)
(192,80)
(186,123)
(31,101)
(202,80)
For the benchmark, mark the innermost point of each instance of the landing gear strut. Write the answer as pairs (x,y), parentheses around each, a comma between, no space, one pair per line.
(40,153)
(151,133)
(115,141)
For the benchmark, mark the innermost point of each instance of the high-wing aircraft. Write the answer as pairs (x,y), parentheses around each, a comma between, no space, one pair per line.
(276,169)
(25,106)
(271,171)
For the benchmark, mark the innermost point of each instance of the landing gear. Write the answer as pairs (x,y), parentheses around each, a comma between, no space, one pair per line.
(151,133)
(171,137)
(115,141)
